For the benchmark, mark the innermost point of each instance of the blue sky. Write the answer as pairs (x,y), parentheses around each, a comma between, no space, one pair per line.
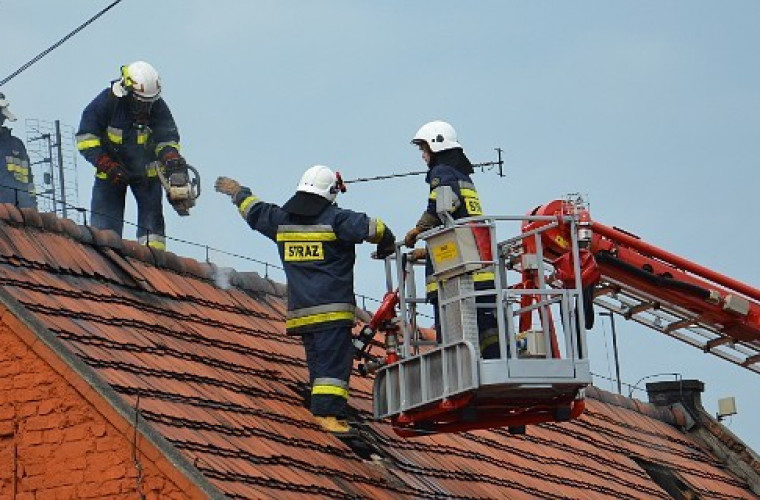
(650,108)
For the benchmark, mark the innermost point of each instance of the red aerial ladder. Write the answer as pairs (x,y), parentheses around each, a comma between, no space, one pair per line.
(566,263)
(668,293)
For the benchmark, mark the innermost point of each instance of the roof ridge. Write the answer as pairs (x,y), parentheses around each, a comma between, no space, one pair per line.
(219,276)
(670,415)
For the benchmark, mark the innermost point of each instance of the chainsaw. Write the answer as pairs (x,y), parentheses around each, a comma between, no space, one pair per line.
(181,189)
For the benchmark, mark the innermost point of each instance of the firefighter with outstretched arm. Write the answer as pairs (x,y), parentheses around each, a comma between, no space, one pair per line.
(316,240)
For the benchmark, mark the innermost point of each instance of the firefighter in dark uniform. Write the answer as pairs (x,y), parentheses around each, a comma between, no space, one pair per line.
(16,182)
(124,132)
(449,166)
(316,241)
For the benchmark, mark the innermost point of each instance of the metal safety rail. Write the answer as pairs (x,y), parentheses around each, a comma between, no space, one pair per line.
(449,386)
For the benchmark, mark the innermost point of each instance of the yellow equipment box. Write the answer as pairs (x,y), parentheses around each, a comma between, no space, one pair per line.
(453,251)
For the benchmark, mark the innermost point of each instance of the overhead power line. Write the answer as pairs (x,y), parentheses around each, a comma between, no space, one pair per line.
(58,43)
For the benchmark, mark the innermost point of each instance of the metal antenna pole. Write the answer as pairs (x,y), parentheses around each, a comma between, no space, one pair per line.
(61,180)
(614,349)
(500,162)
(52,176)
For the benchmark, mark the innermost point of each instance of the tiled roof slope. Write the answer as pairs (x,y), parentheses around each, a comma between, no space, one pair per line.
(213,373)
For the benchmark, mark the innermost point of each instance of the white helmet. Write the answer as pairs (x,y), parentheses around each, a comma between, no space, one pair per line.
(140,79)
(439,135)
(321,181)
(4,108)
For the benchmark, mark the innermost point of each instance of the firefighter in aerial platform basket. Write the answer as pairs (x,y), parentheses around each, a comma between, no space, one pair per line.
(449,166)
(127,132)
(316,240)
(16,183)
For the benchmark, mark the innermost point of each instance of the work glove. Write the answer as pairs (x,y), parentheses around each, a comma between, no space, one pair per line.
(386,246)
(114,171)
(418,254)
(174,163)
(228,186)
(233,189)
(411,237)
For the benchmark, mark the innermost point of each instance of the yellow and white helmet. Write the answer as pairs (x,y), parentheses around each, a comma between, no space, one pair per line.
(139,79)
(438,135)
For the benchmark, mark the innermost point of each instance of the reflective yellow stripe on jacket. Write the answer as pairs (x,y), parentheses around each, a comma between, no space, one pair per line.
(325,313)
(87,141)
(306,233)
(431,285)
(376,230)
(162,145)
(315,319)
(246,205)
(115,135)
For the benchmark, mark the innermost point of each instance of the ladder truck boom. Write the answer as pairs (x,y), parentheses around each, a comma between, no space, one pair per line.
(663,291)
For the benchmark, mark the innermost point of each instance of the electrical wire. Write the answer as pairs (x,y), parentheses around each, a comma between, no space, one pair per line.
(58,43)
(611,379)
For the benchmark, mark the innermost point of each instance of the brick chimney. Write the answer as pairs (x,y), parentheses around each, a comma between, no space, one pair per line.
(686,392)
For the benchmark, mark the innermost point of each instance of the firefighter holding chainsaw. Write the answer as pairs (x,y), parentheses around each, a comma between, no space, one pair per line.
(127,132)
(316,241)
(449,166)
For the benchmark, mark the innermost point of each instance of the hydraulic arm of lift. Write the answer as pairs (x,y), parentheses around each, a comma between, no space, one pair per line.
(663,291)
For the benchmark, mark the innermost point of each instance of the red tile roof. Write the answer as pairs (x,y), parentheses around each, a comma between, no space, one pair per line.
(212,372)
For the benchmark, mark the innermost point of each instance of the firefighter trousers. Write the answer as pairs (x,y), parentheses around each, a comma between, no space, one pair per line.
(329,356)
(108,205)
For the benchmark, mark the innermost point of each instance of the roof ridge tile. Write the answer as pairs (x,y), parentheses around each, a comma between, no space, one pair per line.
(51,222)
(253,281)
(663,414)
(70,228)
(107,238)
(4,211)
(31,217)
(247,281)
(133,249)
(11,213)
(86,234)
(194,267)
